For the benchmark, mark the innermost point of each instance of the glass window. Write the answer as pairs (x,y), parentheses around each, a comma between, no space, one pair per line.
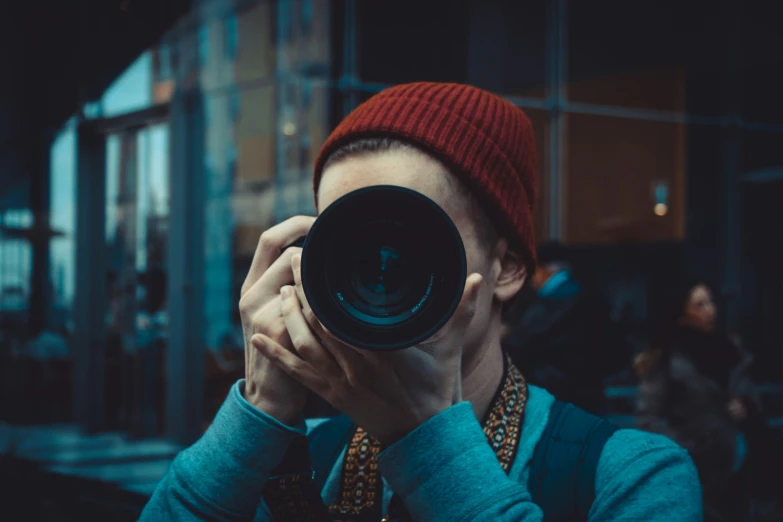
(175,57)
(762,153)
(203,44)
(255,135)
(231,32)
(22,358)
(513,61)
(164,61)
(319,52)
(15,265)
(132,91)
(541,125)
(761,73)
(645,161)
(137,210)
(705,202)
(307,17)
(163,73)
(219,222)
(762,284)
(236,104)
(63,222)
(239,205)
(256,55)
(761,231)
(262,136)
(662,56)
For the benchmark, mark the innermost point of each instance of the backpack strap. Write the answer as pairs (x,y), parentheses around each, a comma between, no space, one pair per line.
(326,441)
(562,473)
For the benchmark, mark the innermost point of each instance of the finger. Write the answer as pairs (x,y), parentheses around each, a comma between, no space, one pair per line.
(327,338)
(269,321)
(304,341)
(296,269)
(270,243)
(457,395)
(464,313)
(322,334)
(353,361)
(467,305)
(343,358)
(271,281)
(266,321)
(290,363)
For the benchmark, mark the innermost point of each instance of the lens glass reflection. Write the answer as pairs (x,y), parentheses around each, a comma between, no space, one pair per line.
(384,279)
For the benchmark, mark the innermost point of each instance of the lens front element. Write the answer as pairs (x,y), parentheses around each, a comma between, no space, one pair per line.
(383,268)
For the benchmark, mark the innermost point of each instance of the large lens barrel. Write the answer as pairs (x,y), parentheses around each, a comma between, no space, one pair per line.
(383,268)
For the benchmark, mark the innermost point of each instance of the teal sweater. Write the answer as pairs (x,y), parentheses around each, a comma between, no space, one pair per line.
(443,470)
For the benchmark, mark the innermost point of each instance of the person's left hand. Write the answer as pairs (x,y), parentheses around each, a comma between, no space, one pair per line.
(388,394)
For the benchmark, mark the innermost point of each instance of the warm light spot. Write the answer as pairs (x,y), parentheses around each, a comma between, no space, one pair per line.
(661,209)
(289,129)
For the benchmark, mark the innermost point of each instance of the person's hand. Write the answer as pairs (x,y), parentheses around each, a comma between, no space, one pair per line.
(737,410)
(267,386)
(388,394)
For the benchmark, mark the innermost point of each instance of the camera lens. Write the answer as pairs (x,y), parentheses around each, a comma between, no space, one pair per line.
(382,277)
(383,268)
(379,280)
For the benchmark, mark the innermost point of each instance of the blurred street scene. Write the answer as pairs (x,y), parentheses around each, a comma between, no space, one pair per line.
(146,144)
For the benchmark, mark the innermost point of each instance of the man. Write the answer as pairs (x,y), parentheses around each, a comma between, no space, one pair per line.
(564,337)
(418,449)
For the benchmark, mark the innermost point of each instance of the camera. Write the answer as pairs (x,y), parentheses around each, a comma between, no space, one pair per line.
(383,268)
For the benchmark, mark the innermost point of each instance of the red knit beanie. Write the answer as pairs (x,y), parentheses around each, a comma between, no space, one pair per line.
(484,140)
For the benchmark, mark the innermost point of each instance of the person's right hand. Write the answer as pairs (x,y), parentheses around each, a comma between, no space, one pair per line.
(267,386)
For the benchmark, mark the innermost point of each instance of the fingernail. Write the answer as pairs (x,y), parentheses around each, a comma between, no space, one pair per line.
(286,291)
(258,341)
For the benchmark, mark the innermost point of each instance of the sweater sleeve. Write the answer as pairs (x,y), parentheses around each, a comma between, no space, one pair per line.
(222,476)
(643,476)
(445,470)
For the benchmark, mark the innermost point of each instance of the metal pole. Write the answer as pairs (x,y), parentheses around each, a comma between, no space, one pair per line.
(283,109)
(732,166)
(351,56)
(185,254)
(90,299)
(557,55)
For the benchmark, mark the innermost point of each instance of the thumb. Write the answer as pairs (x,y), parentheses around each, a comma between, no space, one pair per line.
(467,305)
(461,319)
(462,316)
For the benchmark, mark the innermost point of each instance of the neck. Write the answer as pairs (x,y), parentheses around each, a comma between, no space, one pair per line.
(482,372)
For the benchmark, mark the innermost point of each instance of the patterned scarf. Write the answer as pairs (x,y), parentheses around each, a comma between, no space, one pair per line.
(361,485)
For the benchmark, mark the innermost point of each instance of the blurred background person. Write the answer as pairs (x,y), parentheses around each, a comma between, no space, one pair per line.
(697,389)
(562,334)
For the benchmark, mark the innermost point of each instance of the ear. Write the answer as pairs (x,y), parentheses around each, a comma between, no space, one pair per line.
(512,274)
